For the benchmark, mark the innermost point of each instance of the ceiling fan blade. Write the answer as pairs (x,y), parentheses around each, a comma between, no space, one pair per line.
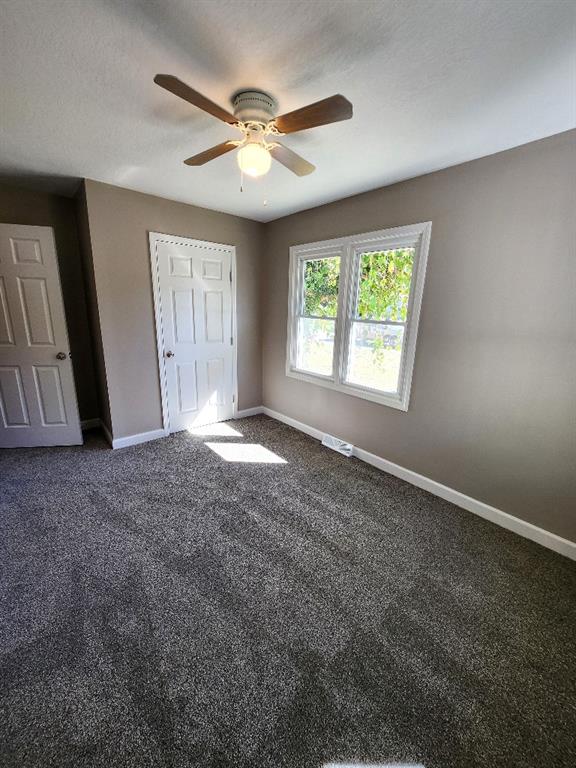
(330,110)
(178,88)
(211,154)
(291,160)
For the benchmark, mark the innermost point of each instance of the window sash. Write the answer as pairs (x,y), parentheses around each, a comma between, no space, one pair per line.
(377,322)
(318,317)
(354,259)
(300,300)
(307,371)
(350,250)
(346,379)
(302,283)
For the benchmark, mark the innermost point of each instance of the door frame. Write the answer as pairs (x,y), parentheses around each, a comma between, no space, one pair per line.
(155,238)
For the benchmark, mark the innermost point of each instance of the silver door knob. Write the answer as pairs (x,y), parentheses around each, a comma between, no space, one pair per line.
(169,354)
(61,356)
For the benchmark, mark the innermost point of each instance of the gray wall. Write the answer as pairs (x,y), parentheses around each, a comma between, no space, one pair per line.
(22,206)
(493,407)
(119,221)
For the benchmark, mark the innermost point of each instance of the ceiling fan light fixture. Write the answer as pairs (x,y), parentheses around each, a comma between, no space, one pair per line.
(254,159)
(255,117)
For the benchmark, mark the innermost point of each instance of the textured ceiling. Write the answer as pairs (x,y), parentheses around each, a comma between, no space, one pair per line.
(433,83)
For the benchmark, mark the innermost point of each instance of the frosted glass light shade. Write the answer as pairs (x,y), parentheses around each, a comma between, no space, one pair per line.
(254,160)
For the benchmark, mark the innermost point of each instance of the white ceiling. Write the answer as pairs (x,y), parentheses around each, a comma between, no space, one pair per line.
(433,83)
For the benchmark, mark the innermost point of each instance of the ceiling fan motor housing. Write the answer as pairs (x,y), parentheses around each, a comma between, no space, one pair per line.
(254,106)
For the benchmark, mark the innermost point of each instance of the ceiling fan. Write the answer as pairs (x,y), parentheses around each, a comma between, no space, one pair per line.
(254,116)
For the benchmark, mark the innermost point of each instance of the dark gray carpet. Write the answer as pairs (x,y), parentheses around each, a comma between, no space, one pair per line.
(161,607)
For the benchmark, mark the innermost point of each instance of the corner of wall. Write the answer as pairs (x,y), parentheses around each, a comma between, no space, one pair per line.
(85,241)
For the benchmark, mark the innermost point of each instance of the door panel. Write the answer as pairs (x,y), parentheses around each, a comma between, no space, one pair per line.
(194,295)
(214,316)
(35,311)
(215,377)
(183,314)
(187,388)
(26,250)
(49,393)
(180,266)
(6,332)
(37,394)
(211,269)
(12,398)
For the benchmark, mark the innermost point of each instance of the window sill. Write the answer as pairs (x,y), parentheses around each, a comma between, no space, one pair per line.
(392,401)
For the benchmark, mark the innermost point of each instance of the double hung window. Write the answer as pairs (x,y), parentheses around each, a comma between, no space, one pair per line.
(353,314)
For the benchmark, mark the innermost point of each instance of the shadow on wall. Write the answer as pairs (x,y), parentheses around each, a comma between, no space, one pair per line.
(49,183)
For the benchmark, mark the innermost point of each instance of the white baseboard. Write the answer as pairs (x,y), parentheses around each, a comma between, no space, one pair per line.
(299,425)
(144,437)
(497,516)
(141,437)
(249,412)
(123,442)
(90,424)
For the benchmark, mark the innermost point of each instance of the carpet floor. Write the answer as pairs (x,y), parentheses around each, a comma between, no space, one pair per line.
(163,607)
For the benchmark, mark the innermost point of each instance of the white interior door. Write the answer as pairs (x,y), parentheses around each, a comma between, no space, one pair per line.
(194,315)
(37,395)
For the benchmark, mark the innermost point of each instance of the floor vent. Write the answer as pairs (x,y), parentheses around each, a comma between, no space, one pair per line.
(338,445)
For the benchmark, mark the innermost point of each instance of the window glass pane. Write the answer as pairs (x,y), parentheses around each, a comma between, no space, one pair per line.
(384,285)
(321,287)
(375,355)
(315,345)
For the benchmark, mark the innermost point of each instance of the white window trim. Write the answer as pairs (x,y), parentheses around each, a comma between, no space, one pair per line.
(412,236)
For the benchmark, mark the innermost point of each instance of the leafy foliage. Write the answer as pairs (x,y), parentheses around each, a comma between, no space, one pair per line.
(321,277)
(385,284)
(383,291)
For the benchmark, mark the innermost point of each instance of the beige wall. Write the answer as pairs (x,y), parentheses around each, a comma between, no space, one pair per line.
(22,206)
(119,223)
(493,407)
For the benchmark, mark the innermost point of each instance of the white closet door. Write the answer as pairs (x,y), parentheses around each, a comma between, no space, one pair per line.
(195,296)
(37,395)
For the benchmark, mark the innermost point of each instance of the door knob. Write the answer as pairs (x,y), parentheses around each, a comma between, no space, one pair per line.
(169,354)
(61,356)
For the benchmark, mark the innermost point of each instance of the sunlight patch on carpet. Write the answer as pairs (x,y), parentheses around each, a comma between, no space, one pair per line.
(373,765)
(250,453)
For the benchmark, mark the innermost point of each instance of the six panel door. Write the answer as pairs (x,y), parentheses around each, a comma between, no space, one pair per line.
(195,293)
(37,395)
